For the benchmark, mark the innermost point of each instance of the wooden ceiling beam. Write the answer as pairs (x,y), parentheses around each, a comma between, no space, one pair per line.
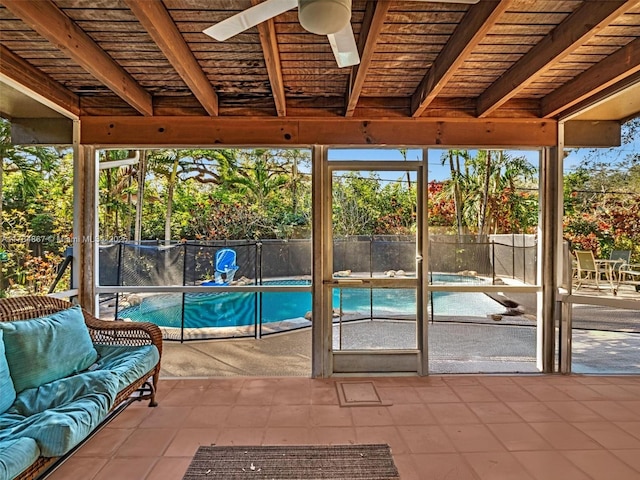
(583,24)
(271,53)
(49,21)
(468,34)
(367,42)
(156,20)
(175,131)
(614,68)
(38,83)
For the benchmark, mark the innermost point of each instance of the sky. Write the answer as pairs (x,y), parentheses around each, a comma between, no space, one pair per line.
(437,171)
(440,172)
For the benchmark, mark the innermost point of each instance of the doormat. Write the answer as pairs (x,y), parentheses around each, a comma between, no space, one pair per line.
(359,394)
(289,462)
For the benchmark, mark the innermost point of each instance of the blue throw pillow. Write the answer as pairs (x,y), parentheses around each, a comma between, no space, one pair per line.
(43,349)
(7,392)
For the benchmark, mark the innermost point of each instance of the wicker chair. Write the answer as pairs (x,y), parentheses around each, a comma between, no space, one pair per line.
(101,333)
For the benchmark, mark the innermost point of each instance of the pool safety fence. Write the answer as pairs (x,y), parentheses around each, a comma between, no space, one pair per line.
(189,263)
(156,264)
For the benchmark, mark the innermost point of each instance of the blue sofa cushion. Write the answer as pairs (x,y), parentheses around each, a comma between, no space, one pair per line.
(128,363)
(16,455)
(61,392)
(44,349)
(9,420)
(7,391)
(60,428)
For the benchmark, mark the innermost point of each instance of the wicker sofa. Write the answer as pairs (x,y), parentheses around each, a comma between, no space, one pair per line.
(125,367)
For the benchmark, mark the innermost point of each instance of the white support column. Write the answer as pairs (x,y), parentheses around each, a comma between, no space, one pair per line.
(423,264)
(322,251)
(78,179)
(566,316)
(85,225)
(549,252)
(564,265)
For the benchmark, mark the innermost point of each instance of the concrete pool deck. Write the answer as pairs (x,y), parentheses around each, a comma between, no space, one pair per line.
(605,341)
(455,347)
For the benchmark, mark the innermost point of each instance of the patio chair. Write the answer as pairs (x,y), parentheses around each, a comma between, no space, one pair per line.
(629,274)
(225,265)
(622,257)
(592,271)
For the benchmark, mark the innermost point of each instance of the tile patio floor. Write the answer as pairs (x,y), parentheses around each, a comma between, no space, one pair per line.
(439,427)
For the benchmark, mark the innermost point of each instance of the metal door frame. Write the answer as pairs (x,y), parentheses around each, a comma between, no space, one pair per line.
(326,361)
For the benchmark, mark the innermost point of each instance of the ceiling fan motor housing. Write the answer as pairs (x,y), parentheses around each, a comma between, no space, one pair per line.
(324,17)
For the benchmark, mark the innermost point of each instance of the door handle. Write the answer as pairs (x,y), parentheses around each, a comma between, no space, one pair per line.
(351,281)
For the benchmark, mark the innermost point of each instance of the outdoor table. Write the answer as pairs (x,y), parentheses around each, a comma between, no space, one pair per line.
(609,266)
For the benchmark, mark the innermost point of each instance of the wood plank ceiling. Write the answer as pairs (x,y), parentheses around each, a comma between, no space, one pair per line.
(496,59)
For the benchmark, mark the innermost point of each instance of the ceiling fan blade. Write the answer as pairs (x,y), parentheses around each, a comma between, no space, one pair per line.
(249,18)
(344,47)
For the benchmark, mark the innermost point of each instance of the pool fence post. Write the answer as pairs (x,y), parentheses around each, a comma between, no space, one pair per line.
(184,279)
(431,296)
(371,275)
(524,259)
(258,298)
(340,319)
(513,255)
(119,281)
(258,317)
(493,262)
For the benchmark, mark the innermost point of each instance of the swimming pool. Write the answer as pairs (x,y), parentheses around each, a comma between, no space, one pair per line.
(233,309)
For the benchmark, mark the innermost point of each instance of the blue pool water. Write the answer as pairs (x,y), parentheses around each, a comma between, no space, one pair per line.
(224,309)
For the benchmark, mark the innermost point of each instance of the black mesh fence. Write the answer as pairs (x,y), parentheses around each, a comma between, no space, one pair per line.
(143,265)
(375,254)
(140,264)
(503,256)
(393,253)
(201,259)
(129,264)
(515,256)
(496,256)
(450,254)
(226,314)
(109,264)
(352,253)
(285,258)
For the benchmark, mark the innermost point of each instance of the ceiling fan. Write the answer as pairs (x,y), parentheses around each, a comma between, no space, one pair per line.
(322,17)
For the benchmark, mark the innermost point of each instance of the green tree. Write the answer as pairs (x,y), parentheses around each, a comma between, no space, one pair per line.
(116,190)
(455,185)
(35,199)
(397,206)
(487,194)
(267,185)
(355,199)
(602,198)
(260,177)
(270,182)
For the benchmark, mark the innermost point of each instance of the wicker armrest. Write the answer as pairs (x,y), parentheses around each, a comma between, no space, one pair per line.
(102,331)
(117,332)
